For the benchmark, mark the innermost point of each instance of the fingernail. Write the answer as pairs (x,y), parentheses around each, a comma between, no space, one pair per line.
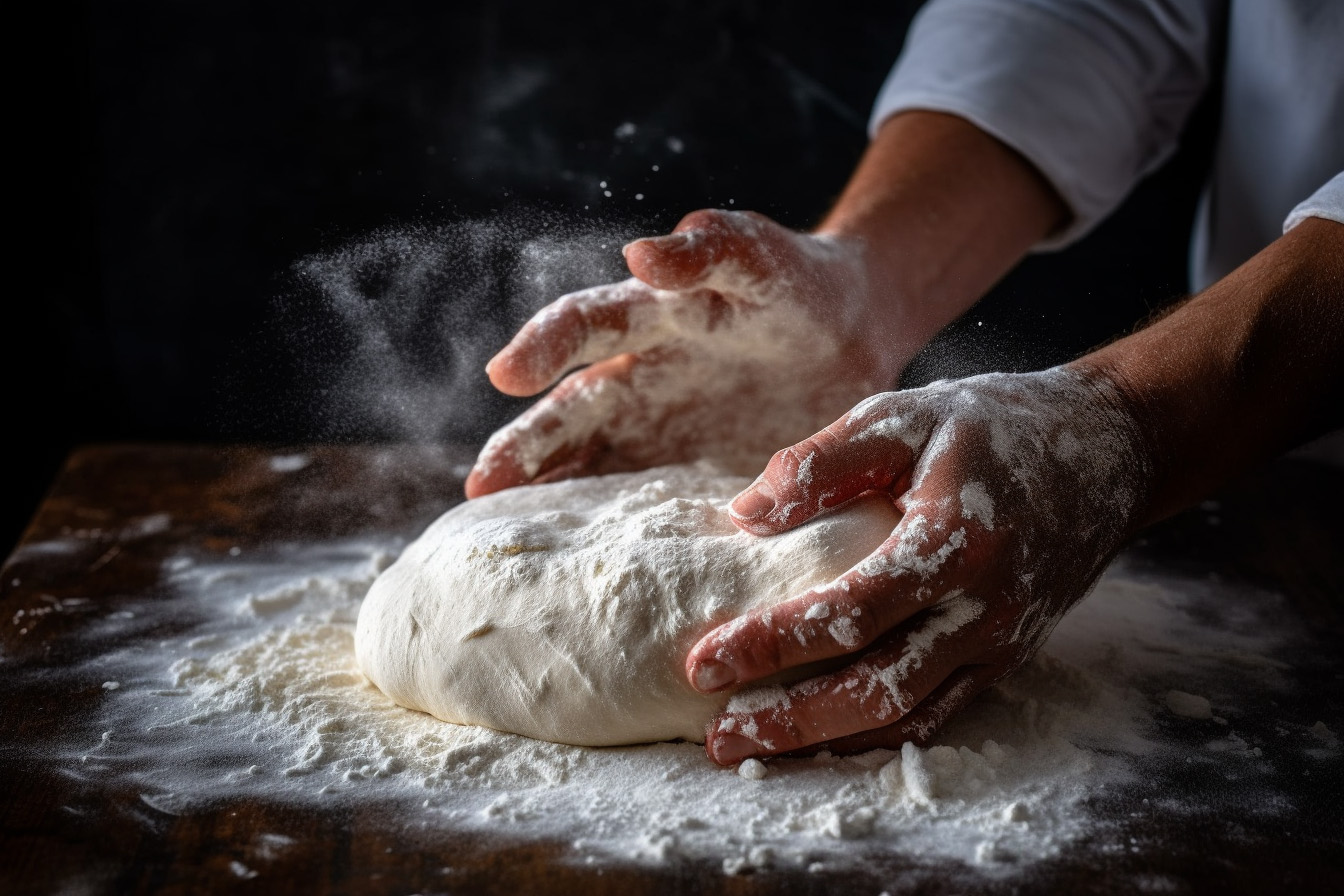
(710,675)
(729,748)
(756,501)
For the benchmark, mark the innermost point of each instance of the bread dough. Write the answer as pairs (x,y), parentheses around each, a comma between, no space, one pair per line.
(565,611)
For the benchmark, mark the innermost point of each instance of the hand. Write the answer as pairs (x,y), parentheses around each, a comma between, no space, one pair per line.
(1015,490)
(734,337)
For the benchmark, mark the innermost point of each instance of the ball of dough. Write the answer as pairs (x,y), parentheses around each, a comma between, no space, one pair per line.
(565,611)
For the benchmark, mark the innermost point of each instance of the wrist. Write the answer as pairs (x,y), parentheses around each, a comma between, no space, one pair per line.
(1117,406)
(941,210)
(1240,372)
(895,318)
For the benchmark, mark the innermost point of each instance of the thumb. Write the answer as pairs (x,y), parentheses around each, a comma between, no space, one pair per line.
(820,473)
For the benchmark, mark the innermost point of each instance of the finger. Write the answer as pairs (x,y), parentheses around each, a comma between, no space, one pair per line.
(914,568)
(864,450)
(873,693)
(922,723)
(702,243)
(601,323)
(576,329)
(560,430)
(497,467)
(493,473)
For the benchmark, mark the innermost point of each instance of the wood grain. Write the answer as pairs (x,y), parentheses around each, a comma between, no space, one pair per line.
(116,512)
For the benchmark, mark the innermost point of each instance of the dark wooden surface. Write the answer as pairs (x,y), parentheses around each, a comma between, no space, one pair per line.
(1280,529)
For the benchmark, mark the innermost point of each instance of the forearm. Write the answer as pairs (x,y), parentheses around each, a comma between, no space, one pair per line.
(942,211)
(1244,370)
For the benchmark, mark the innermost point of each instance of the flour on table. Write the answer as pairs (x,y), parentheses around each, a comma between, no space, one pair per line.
(237,680)
(565,611)
(1191,706)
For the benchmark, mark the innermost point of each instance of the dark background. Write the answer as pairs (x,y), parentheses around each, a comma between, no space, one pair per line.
(181,162)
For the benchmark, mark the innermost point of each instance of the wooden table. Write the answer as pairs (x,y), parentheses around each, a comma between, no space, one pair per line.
(118,511)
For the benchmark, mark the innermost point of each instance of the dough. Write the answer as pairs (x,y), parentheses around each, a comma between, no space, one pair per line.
(565,611)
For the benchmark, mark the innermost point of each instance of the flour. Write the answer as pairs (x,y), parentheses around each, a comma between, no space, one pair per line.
(950,616)
(977,505)
(1191,706)
(391,329)
(220,701)
(236,680)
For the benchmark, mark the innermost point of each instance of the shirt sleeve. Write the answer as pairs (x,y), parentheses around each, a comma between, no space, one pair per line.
(1327,202)
(1094,93)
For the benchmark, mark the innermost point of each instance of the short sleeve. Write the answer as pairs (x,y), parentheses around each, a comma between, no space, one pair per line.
(1327,202)
(1094,93)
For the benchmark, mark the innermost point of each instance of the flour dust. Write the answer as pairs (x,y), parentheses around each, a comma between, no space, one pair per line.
(254,692)
(392,329)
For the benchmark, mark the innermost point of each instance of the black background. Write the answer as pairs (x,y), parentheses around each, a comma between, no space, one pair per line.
(176,161)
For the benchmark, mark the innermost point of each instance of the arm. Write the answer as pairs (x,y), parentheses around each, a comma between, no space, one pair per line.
(942,211)
(1017,491)
(1241,372)
(1092,93)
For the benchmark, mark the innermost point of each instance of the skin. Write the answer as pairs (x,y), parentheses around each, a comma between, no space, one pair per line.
(1239,373)
(909,246)
(737,336)
(1016,490)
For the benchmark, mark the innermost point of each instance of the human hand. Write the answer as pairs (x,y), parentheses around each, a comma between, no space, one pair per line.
(1016,490)
(735,336)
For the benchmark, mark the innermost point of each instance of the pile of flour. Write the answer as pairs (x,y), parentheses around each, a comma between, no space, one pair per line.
(257,694)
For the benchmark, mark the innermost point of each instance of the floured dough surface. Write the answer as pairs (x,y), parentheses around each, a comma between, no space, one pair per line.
(565,611)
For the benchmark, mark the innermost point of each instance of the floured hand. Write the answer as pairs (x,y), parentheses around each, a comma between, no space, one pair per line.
(734,337)
(1016,490)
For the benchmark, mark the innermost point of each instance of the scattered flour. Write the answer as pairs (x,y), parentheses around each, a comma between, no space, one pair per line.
(288,463)
(253,692)
(1192,706)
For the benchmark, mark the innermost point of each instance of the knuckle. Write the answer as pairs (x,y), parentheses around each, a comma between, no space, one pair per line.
(751,647)
(712,219)
(796,460)
(797,463)
(608,315)
(765,653)
(862,624)
(777,471)
(826,443)
(566,391)
(756,218)
(890,694)
(799,729)
(874,407)
(846,621)
(863,696)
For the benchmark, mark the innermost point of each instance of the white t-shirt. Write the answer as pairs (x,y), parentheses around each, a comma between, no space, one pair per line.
(1095,94)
